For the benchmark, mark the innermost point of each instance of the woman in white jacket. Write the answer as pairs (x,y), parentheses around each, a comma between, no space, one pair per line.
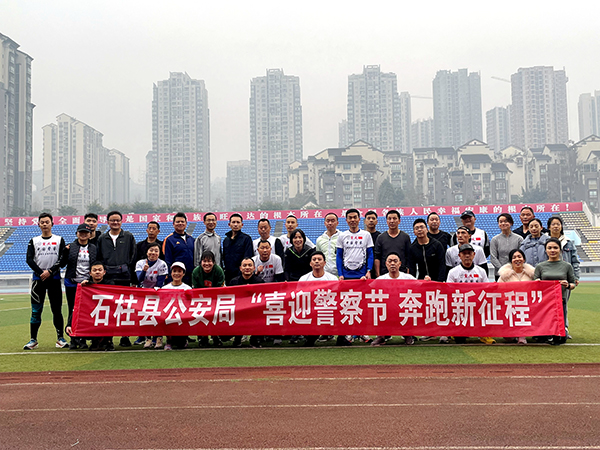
(516,270)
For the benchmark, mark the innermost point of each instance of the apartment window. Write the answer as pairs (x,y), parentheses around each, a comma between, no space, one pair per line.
(593,193)
(347,166)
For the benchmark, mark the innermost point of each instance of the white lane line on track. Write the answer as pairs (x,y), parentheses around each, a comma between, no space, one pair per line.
(116,352)
(15,309)
(272,379)
(309,406)
(445,447)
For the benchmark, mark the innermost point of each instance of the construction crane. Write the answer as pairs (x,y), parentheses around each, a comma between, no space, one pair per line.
(501,79)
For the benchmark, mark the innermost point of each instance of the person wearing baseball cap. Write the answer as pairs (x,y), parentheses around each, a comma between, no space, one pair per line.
(177,274)
(478,236)
(78,257)
(453,253)
(468,272)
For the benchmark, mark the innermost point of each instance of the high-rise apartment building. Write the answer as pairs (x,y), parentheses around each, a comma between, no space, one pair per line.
(343,134)
(376,113)
(16,128)
(178,166)
(539,107)
(589,114)
(78,169)
(457,107)
(422,133)
(497,130)
(239,183)
(275,133)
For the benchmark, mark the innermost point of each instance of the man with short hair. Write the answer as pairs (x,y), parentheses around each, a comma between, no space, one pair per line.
(237,245)
(443,237)
(393,240)
(116,250)
(247,276)
(354,250)
(91,220)
(44,256)
(317,264)
(97,276)
(478,236)
(371,227)
(453,253)
(152,230)
(327,243)
(291,223)
(179,247)
(209,240)
(427,256)
(268,266)
(526,215)
(264,234)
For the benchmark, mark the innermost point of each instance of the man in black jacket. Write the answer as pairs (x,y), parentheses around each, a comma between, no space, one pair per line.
(79,256)
(427,257)
(236,246)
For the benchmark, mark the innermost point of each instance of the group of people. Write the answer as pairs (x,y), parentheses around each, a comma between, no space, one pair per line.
(530,252)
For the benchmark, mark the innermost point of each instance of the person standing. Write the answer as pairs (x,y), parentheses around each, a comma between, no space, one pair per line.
(297,257)
(393,240)
(533,246)
(209,240)
(427,256)
(526,216)
(91,220)
(354,250)
(116,250)
(453,257)
(44,254)
(371,227)
(557,269)
(97,276)
(79,257)
(443,237)
(327,243)
(478,236)
(152,230)
(264,234)
(177,275)
(502,244)
(291,223)
(179,247)
(237,245)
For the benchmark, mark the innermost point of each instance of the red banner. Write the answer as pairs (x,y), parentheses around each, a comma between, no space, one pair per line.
(350,307)
(308,213)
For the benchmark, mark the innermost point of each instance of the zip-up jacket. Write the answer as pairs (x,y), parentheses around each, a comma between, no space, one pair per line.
(71,255)
(429,259)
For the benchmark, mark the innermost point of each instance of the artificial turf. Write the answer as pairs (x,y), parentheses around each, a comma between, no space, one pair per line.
(584,318)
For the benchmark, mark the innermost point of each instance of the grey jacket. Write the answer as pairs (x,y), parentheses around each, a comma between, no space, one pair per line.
(207,241)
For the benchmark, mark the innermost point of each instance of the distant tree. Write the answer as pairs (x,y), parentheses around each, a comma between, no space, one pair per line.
(67,210)
(95,207)
(123,208)
(142,207)
(535,195)
(388,196)
(19,212)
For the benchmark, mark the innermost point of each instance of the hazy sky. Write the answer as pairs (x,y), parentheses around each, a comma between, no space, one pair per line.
(97,61)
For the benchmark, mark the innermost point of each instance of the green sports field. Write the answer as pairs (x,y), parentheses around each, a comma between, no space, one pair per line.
(584,318)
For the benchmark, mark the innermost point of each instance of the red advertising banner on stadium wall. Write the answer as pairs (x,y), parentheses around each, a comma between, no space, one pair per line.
(374,307)
(308,213)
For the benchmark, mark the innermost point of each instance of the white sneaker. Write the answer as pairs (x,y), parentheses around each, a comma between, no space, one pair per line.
(62,343)
(31,345)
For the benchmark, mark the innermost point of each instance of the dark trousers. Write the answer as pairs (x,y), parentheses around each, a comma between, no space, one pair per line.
(39,289)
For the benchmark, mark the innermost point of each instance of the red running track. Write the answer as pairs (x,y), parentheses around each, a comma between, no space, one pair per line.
(481,407)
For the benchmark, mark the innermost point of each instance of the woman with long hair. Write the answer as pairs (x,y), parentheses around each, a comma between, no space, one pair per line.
(533,245)
(297,257)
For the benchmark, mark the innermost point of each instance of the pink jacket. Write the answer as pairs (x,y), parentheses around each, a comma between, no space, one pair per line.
(507,273)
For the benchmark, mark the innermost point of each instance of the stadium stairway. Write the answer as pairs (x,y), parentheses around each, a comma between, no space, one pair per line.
(589,250)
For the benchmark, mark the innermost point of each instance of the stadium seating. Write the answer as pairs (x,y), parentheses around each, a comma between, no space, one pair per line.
(14,258)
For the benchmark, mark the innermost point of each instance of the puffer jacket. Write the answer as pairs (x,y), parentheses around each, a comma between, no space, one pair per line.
(569,254)
(508,274)
(534,249)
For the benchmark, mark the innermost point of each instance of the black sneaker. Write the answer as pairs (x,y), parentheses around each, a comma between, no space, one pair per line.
(342,342)
(124,342)
(110,347)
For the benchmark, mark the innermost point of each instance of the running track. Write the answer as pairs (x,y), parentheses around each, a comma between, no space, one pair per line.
(483,407)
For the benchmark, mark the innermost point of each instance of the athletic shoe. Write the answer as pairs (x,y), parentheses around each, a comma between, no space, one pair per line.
(159,343)
(426,338)
(522,341)
(148,343)
(140,340)
(487,340)
(380,340)
(62,343)
(168,347)
(460,339)
(82,344)
(444,340)
(125,342)
(510,340)
(409,340)
(31,345)
(343,342)
(110,347)
(366,339)
(277,342)
(325,338)
(73,345)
